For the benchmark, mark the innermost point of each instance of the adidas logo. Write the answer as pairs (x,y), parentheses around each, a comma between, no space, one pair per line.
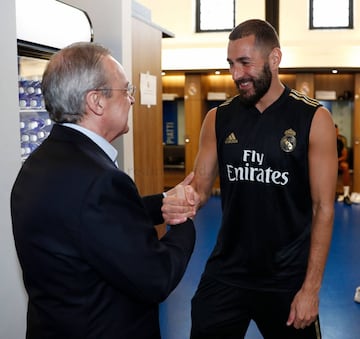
(231,139)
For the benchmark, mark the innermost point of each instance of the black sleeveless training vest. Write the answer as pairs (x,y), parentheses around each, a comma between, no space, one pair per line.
(266,204)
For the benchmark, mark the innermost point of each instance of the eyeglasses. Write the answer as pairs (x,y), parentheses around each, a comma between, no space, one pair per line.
(130,89)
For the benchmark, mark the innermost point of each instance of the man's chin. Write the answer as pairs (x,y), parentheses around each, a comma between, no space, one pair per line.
(247,100)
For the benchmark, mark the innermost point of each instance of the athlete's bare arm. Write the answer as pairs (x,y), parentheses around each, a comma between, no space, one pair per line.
(323,175)
(206,165)
(180,201)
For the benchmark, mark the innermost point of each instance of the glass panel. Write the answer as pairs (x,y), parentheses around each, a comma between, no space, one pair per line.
(214,17)
(331,14)
(35,124)
(51,23)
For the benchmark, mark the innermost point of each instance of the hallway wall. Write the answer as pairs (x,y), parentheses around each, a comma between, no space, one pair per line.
(301,47)
(12,296)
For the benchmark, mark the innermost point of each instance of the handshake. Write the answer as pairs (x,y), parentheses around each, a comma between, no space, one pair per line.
(180,202)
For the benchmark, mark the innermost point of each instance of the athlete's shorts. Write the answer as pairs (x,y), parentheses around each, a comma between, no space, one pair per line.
(220,311)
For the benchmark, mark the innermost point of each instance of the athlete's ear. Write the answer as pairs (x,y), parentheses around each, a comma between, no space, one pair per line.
(94,101)
(275,58)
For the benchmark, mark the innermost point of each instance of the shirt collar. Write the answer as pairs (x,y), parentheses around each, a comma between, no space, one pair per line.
(109,149)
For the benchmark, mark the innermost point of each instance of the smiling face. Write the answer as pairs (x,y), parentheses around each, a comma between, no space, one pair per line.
(250,69)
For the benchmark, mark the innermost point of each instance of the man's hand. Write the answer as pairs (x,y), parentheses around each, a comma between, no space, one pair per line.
(304,309)
(181,202)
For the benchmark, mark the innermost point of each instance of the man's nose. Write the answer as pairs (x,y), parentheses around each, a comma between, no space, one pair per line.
(237,72)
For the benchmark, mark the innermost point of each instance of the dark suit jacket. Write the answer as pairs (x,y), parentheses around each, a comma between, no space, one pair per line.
(92,264)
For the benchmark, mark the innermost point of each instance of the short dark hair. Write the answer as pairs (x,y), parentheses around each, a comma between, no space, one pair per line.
(265,34)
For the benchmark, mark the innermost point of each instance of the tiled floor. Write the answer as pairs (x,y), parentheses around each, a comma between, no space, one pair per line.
(339,314)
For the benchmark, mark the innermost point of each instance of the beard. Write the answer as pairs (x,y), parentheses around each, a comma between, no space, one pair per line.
(261,85)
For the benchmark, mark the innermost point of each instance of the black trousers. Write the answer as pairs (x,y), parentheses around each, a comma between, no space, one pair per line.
(220,311)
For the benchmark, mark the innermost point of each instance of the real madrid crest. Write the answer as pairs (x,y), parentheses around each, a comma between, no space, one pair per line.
(288,141)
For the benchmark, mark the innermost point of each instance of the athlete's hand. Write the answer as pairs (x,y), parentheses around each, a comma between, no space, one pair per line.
(304,309)
(180,202)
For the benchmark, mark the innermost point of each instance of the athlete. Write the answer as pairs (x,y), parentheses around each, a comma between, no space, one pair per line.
(343,166)
(275,152)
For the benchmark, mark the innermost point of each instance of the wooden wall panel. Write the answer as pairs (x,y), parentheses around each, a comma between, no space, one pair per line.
(305,84)
(194,106)
(339,83)
(174,84)
(288,80)
(221,83)
(147,121)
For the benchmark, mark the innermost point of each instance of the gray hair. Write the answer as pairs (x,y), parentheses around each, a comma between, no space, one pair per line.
(265,34)
(70,74)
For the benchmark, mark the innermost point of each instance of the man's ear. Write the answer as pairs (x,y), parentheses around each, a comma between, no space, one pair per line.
(94,101)
(275,58)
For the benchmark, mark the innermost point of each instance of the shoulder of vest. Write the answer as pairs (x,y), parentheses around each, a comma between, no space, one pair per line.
(304,98)
(228,101)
